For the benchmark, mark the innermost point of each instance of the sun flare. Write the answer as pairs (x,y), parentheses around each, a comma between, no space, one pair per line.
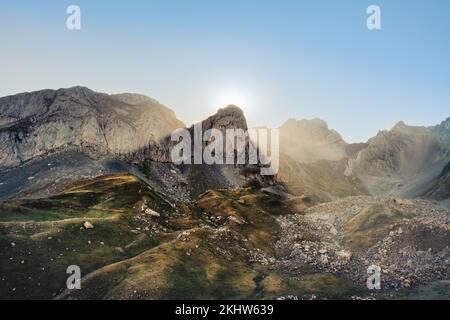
(234,97)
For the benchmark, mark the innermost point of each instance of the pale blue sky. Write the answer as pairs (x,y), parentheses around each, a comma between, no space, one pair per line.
(301,59)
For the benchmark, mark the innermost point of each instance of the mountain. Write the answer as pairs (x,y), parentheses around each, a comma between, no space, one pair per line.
(401,161)
(404,150)
(76,133)
(230,117)
(37,124)
(52,139)
(406,161)
(308,141)
(185,182)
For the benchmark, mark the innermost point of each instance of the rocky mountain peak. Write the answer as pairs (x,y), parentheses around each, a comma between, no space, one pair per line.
(35,124)
(401,156)
(302,123)
(445,124)
(230,117)
(315,129)
(311,140)
(134,98)
(399,126)
(403,128)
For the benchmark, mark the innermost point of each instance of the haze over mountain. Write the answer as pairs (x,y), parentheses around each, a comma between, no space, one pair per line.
(403,161)
(310,140)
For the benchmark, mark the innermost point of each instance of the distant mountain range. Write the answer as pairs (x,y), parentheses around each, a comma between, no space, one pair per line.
(405,161)
(50,139)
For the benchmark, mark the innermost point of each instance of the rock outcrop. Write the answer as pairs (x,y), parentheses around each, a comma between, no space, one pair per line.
(187,181)
(36,124)
(230,117)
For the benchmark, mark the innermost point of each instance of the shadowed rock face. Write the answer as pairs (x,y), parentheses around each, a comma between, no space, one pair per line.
(230,117)
(36,124)
(192,180)
(439,189)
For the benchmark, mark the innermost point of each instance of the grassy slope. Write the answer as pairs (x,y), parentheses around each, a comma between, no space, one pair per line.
(39,239)
(209,261)
(370,225)
(322,181)
(200,251)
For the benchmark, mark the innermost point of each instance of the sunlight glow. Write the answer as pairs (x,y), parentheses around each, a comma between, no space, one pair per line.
(236,97)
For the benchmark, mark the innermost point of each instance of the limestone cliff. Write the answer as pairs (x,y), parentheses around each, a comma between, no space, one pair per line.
(36,124)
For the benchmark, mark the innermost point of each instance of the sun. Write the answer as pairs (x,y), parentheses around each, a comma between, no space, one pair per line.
(234,97)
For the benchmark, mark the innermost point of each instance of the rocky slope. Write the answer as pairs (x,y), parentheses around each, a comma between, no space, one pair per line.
(313,160)
(50,175)
(439,189)
(408,239)
(320,181)
(34,125)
